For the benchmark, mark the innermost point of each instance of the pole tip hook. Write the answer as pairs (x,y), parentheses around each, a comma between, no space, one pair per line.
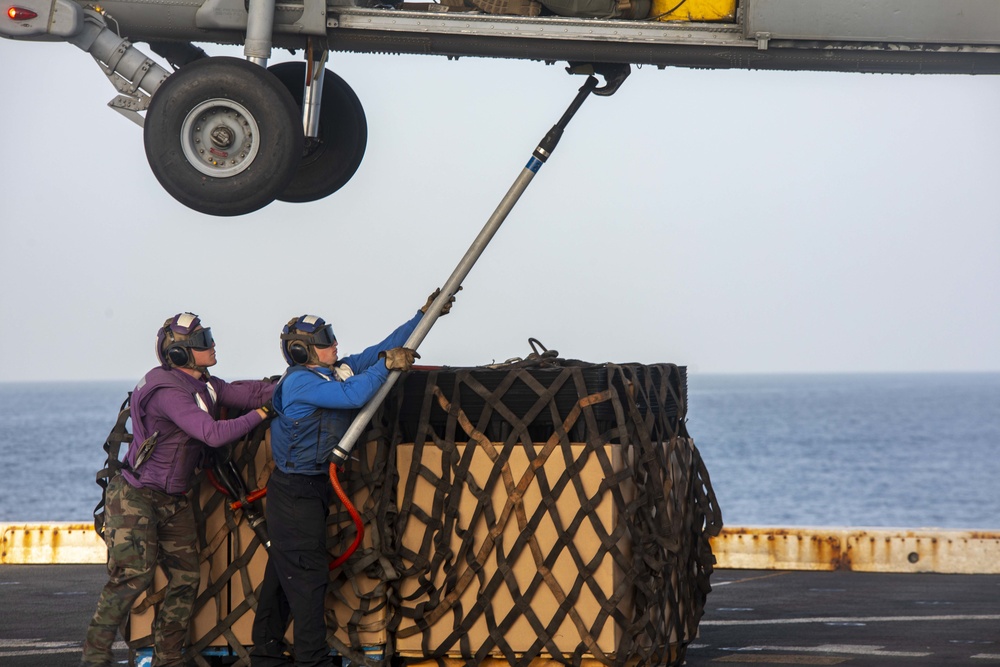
(614,75)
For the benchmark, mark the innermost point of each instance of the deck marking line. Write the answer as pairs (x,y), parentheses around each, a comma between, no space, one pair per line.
(771,659)
(851,649)
(9,647)
(853,619)
(35,643)
(740,581)
(44,651)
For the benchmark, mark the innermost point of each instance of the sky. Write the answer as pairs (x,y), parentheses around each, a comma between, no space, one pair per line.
(728,221)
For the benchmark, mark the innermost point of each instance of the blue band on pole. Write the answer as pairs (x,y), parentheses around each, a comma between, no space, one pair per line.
(534,164)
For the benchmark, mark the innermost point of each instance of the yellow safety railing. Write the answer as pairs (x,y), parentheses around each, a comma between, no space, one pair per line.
(742,547)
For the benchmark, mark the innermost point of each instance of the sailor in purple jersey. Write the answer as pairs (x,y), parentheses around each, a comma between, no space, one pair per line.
(175,412)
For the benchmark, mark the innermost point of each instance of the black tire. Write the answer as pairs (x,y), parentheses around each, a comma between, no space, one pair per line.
(332,159)
(256,125)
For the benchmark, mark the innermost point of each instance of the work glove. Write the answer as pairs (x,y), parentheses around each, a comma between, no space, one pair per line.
(446,308)
(399,358)
(269,412)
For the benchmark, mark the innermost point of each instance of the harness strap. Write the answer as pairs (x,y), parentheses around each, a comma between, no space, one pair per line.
(112,447)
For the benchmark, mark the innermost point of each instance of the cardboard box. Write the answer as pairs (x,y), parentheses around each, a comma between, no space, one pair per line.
(495,530)
(357,599)
(343,602)
(239,589)
(225,547)
(214,561)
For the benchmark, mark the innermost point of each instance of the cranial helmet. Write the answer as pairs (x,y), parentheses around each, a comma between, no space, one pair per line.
(178,335)
(301,335)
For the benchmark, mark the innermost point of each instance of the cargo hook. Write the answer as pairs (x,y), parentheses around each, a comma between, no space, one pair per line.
(614,75)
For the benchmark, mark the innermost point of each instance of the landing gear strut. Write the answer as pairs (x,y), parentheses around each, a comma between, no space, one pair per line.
(330,159)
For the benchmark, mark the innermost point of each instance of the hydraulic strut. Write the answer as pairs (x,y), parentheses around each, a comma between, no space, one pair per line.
(614,75)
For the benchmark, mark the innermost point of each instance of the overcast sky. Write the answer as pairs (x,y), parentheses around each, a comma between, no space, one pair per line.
(728,221)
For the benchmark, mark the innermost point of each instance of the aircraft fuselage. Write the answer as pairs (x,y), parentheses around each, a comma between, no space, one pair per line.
(221,167)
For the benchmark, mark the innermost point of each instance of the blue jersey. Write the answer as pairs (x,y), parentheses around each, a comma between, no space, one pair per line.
(315,407)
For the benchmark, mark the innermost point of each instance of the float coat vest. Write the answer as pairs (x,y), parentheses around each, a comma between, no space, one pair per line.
(303,446)
(176,455)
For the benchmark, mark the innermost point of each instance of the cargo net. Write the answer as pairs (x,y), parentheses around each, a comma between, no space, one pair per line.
(554,511)
(228,504)
(548,509)
(231,533)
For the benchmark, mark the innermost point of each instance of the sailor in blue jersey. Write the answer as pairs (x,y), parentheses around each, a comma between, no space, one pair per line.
(314,404)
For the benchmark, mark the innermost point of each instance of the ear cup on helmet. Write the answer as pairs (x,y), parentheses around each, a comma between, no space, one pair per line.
(299,352)
(178,356)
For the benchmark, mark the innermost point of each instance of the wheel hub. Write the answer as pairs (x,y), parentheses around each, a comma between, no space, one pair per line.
(222,136)
(219,138)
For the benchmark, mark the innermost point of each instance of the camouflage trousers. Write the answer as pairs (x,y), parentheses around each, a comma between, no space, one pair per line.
(145,527)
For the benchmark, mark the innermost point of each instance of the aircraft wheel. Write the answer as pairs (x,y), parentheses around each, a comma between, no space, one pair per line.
(223,136)
(330,160)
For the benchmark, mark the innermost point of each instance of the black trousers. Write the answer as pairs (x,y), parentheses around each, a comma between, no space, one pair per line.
(297,571)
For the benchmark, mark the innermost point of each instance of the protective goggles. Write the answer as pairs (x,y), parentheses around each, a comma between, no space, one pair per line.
(324,337)
(310,329)
(199,340)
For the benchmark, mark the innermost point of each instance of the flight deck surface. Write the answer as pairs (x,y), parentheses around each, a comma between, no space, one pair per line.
(753,617)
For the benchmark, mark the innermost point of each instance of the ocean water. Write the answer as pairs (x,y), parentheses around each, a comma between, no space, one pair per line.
(909,450)
(51,447)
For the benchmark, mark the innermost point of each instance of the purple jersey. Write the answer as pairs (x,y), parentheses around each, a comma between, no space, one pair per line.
(184,414)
